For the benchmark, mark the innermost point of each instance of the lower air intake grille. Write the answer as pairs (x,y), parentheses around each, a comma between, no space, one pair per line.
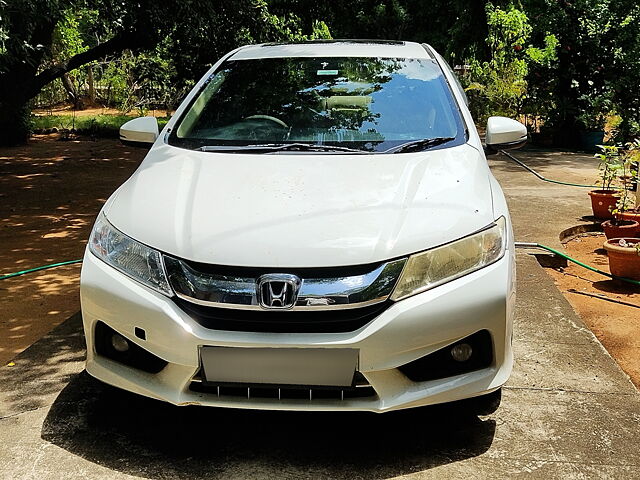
(321,321)
(360,389)
(283,393)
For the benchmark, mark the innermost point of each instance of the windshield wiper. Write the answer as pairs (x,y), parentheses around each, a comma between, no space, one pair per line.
(418,145)
(279,147)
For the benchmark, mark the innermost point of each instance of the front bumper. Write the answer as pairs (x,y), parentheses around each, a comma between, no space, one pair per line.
(406,331)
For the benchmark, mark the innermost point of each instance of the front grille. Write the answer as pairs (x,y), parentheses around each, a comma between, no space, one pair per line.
(308,288)
(293,321)
(359,389)
(247,299)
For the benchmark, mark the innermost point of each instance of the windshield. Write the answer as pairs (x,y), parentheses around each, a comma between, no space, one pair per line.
(370,104)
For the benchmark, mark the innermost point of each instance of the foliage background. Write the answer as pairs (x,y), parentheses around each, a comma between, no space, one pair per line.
(564,66)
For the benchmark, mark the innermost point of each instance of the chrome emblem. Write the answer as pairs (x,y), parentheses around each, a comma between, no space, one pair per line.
(278,290)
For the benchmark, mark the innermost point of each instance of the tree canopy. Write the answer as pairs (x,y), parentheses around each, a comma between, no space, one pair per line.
(571,64)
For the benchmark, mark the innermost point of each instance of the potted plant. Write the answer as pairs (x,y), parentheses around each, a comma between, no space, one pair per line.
(603,201)
(624,257)
(630,210)
(618,226)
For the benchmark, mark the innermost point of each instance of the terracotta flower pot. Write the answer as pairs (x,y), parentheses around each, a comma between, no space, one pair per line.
(635,216)
(624,228)
(623,261)
(602,202)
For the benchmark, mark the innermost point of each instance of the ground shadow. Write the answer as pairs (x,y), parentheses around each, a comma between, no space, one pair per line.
(139,436)
(615,286)
(39,373)
(50,194)
(542,160)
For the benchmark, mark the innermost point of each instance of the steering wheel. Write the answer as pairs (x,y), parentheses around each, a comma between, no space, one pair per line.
(267,117)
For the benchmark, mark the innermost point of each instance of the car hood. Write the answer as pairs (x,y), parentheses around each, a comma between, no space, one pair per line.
(302,210)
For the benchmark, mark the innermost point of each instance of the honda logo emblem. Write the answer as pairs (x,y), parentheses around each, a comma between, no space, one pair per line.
(278,290)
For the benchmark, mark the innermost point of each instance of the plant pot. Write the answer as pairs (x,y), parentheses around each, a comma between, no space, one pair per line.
(602,202)
(625,228)
(623,261)
(589,141)
(635,216)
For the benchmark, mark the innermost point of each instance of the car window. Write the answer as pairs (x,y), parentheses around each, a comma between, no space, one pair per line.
(456,79)
(371,104)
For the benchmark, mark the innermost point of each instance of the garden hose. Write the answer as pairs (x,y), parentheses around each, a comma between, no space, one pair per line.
(36,269)
(528,168)
(577,262)
(517,244)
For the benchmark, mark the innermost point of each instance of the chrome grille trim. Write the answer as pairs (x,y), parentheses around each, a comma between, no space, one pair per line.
(322,293)
(343,306)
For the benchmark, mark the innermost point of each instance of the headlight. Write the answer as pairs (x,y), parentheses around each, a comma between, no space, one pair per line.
(439,265)
(132,258)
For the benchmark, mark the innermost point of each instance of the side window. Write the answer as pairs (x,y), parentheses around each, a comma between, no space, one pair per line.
(195,111)
(457,82)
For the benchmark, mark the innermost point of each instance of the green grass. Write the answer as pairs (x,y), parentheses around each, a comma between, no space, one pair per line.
(98,125)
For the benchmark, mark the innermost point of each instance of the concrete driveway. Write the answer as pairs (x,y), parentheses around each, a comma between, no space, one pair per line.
(568,411)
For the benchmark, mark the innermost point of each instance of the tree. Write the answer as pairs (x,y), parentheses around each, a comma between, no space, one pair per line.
(27,37)
(457,28)
(199,30)
(499,86)
(598,64)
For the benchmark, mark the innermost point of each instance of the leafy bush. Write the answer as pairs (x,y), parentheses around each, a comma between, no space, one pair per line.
(583,69)
(99,125)
(499,86)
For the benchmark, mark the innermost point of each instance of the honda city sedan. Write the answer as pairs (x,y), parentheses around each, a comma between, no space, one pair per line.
(316,228)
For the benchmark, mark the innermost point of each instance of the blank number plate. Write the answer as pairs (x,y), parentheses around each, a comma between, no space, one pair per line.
(280,366)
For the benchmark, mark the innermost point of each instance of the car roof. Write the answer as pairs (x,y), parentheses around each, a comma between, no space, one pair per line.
(334,48)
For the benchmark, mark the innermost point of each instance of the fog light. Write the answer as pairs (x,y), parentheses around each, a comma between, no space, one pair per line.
(461,352)
(119,343)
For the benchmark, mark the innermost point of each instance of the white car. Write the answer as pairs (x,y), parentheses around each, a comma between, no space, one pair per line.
(316,228)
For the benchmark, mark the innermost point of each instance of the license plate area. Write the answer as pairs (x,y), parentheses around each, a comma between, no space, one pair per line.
(280,366)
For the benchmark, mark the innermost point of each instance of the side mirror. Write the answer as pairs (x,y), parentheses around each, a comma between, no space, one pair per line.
(139,132)
(504,134)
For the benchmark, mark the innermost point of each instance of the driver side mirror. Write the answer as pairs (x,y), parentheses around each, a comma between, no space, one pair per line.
(504,134)
(139,132)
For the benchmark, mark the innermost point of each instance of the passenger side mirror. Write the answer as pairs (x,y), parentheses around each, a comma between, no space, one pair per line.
(139,132)
(504,134)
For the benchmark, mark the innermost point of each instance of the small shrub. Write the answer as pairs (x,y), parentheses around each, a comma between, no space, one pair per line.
(107,126)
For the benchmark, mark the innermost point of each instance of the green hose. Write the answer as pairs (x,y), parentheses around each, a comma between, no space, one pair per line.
(528,168)
(36,269)
(577,262)
(518,245)
(532,245)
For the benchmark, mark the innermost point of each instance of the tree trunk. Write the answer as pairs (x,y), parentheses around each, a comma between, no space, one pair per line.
(15,123)
(92,87)
(68,85)
(21,82)
(15,91)
(569,61)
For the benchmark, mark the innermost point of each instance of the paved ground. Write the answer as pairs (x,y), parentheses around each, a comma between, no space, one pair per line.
(541,210)
(568,410)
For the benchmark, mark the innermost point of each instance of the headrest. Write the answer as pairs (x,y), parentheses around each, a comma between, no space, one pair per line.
(346,101)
